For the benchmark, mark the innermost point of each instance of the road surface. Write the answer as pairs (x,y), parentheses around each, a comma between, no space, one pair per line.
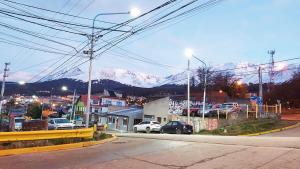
(295,132)
(162,151)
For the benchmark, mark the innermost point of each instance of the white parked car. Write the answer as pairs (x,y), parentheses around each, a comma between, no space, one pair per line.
(147,126)
(230,107)
(59,123)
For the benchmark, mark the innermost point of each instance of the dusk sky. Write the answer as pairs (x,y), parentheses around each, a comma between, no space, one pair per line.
(234,31)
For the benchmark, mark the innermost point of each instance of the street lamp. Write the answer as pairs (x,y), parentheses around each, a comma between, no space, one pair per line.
(189,53)
(65,88)
(134,12)
(21,82)
(239,82)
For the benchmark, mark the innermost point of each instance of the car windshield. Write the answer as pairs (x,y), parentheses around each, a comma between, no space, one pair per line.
(19,120)
(62,121)
(182,122)
(227,105)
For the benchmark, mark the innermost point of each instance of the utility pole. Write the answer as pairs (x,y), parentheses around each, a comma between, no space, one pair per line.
(260,93)
(5,75)
(188,93)
(271,69)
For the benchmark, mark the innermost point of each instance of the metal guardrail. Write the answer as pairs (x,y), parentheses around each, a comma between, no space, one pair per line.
(46,134)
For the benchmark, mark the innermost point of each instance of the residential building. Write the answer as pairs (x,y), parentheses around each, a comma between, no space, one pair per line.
(121,120)
(157,110)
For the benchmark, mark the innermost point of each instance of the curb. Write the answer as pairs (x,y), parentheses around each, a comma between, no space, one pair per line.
(273,131)
(54,147)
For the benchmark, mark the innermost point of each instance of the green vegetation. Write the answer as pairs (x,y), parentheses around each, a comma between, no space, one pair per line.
(34,110)
(249,127)
(101,136)
(40,143)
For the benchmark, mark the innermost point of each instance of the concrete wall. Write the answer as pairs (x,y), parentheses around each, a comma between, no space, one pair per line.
(158,109)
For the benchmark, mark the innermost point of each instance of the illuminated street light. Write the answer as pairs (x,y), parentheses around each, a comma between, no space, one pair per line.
(188,52)
(21,82)
(64,88)
(135,12)
(239,82)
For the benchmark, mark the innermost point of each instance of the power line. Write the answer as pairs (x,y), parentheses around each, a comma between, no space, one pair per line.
(22,39)
(6,41)
(33,34)
(8,13)
(56,12)
(43,25)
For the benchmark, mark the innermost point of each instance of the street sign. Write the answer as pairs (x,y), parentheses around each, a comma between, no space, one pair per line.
(259,100)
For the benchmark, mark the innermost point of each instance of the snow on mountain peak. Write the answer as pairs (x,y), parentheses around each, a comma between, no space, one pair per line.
(128,77)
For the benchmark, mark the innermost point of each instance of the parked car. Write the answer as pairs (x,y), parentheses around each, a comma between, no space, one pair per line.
(147,126)
(193,112)
(208,109)
(59,123)
(18,121)
(177,127)
(230,107)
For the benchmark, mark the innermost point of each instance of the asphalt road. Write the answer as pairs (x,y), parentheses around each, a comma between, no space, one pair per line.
(295,132)
(156,151)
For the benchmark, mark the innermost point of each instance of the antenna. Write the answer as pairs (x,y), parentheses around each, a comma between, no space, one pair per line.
(271,68)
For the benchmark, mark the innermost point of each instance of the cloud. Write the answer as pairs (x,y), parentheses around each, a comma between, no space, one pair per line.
(19,76)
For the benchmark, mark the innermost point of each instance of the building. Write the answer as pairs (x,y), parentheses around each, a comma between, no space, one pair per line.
(121,120)
(157,110)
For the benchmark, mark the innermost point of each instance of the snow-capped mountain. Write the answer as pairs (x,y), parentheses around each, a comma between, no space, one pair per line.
(128,77)
(245,71)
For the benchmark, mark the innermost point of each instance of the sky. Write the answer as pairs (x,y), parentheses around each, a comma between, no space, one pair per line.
(235,31)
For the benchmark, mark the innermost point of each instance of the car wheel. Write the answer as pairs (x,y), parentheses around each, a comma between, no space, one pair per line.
(135,130)
(148,130)
(178,131)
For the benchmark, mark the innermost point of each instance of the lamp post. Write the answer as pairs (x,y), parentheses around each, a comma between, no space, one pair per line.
(189,53)
(134,12)
(65,88)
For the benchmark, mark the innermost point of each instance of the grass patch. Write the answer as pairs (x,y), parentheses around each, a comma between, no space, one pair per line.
(249,127)
(101,136)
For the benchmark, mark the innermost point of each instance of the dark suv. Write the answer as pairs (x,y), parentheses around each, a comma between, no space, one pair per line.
(177,127)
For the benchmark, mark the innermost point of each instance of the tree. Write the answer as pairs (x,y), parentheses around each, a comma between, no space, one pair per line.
(10,104)
(209,76)
(34,110)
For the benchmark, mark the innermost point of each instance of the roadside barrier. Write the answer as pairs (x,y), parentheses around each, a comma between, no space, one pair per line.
(45,135)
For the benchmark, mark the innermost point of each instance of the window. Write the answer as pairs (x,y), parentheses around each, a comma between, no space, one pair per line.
(175,123)
(145,122)
(165,119)
(169,124)
(108,102)
(125,121)
(95,102)
(119,103)
(159,119)
(109,119)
